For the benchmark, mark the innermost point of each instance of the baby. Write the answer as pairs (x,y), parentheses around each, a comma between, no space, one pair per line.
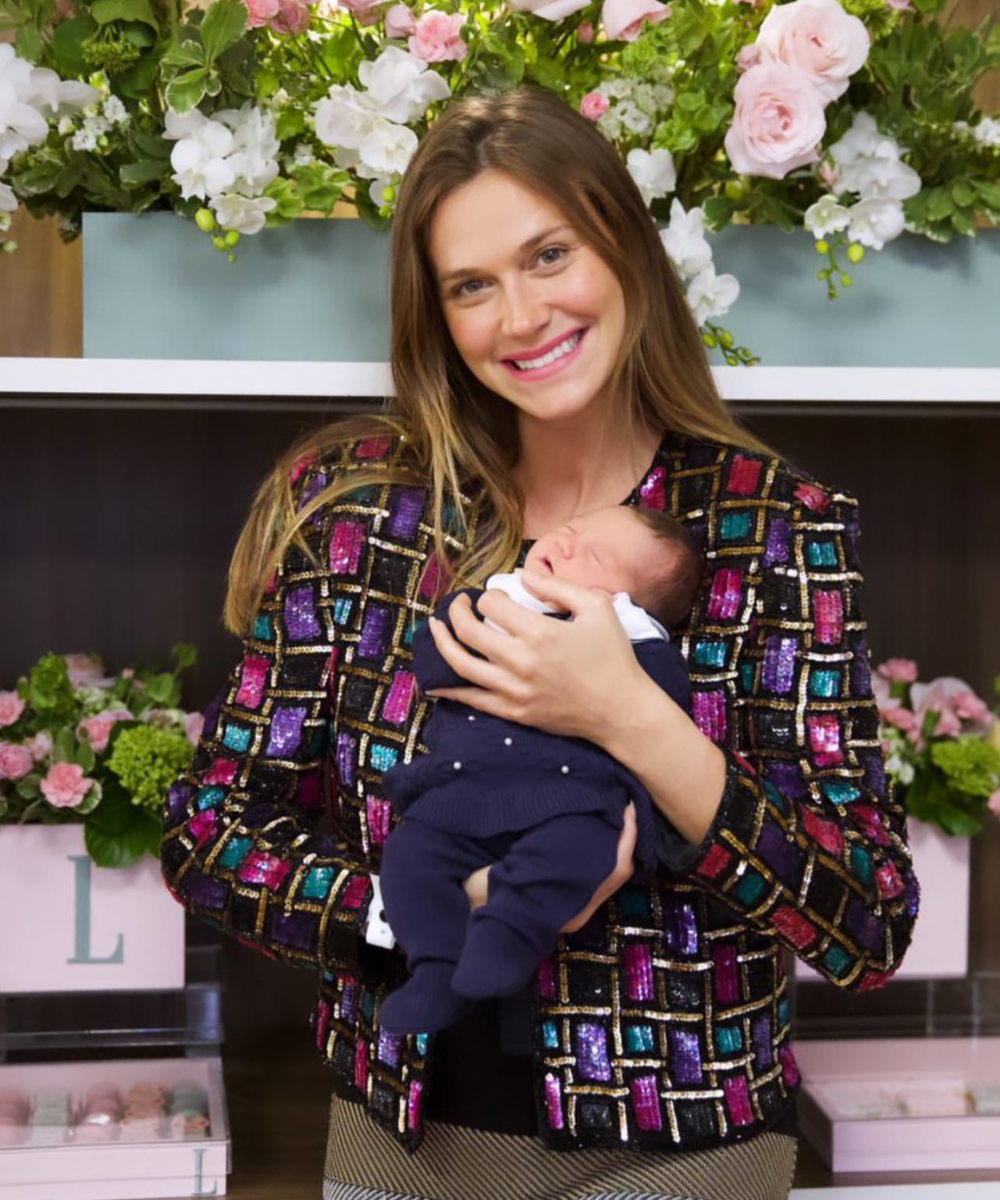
(546,811)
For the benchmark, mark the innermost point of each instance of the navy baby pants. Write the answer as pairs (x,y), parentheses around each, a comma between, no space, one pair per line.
(540,878)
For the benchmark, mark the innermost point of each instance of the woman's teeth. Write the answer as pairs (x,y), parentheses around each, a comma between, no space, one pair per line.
(565,347)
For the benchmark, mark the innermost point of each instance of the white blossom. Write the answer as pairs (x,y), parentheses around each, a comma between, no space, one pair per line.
(400,85)
(870,165)
(115,111)
(875,221)
(255,145)
(653,172)
(711,295)
(987,132)
(8,201)
(66,126)
(684,240)
(245,214)
(633,118)
(84,139)
(826,216)
(303,155)
(199,156)
(21,125)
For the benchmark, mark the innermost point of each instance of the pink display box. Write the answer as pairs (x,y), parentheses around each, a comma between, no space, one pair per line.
(902,1104)
(51,1153)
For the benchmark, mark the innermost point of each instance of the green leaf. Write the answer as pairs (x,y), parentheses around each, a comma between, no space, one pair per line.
(186,655)
(187,91)
(67,42)
(91,800)
(85,757)
(184,54)
(113,833)
(151,829)
(106,11)
(152,145)
(163,690)
(290,123)
(137,82)
(223,26)
(28,43)
(990,192)
(29,788)
(138,173)
(940,204)
(64,746)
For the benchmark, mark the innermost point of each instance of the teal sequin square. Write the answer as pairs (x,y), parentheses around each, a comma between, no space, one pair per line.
(751,887)
(422,1042)
(342,610)
(837,960)
(776,798)
(746,676)
(735,526)
(822,554)
(382,757)
(825,684)
(237,737)
(209,797)
(550,1035)
(861,864)
(263,628)
(318,741)
(840,792)
(410,630)
(368,494)
(236,850)
(368,1004)
(729,1039)
(632,903)
(318,883)
(782,1012)
(639,1039)
(710,654)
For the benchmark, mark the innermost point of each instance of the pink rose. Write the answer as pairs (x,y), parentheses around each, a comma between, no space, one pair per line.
(11,707)
(903,670)
(40,746)
(84,670)
(622,19)
(585,33)
(194,725)
(994,803)
(829,173)
(594,105)
(778,122)
(399,22)
(15,761)
(65,785)
(366,11)
(293,17)
(819,38)
(749,56)
(98,728)
(259,12)
(436,37)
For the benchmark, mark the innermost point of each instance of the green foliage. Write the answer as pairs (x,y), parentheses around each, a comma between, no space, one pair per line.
(147,760)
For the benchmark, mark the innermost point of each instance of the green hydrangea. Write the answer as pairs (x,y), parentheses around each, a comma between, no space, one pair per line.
(970,764)
(147,761)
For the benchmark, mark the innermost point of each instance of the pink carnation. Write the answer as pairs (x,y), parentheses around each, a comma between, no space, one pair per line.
(84,670)
(15,761)
(902,718)
(954,700)
(65,785)
(902,669)
(40,746)
(594,105)
(11,707)
(880,689)
(436,37)
(98,728)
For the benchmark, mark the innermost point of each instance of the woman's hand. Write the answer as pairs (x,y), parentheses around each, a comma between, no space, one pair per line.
(560,676)
(477,884)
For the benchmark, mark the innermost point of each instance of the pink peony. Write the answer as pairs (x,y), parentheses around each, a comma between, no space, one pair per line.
(903,670)
(194,725)
(585,33)
(622,19)
(293,17)
(436,37)
(749,56)
(98,728)
(65,785)
(820,39)
(594,105)
(994,803)
(399,22)
(15,761)
(40,746)
(11,707)
(84,670)
(778,122)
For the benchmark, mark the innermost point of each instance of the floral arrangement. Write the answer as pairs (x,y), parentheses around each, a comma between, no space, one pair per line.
(82,746)
(854,119)
(943,746)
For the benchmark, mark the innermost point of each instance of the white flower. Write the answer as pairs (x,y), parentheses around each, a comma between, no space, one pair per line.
(84,139)
(548,10)
(303,155)
(8,201)
(199,157)
(255,145)
(344,117)
(653,172)
(243,213)
(97,125)
(684,240)
(401,85)
(49,91)
(632,117)
(115,111)
(711,295)
(387,150)
(66,126)
(826,216)
(870,164)
(987,132)
(21,125)
(875,221)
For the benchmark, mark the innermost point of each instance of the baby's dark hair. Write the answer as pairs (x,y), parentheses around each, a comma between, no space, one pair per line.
(671,592)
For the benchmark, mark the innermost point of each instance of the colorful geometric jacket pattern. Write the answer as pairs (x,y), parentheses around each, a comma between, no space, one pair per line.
(663,1023)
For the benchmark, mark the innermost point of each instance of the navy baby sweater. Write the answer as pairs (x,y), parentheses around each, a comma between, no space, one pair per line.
(484,775)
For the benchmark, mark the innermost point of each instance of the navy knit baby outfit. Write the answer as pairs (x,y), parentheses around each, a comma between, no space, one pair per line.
(545,810)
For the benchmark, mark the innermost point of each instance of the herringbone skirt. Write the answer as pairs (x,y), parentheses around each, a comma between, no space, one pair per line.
(457,1163)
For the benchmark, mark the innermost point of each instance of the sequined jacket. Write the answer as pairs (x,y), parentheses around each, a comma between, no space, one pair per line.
(663,1023)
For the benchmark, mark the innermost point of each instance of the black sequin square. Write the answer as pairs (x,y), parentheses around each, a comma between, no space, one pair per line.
(595,1114)
(695,1122)
(780,596)
(589,984)
(391,575)
(685,993)
(359,696)
(775,728)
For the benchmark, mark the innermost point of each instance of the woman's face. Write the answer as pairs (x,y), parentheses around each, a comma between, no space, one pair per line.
(501,300)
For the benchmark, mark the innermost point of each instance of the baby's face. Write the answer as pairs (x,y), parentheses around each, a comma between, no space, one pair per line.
(608,548)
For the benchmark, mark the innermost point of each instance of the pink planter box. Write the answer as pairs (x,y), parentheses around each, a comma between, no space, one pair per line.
(902,1104)
(72,927)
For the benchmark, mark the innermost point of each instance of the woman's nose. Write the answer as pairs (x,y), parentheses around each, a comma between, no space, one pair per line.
(524,315)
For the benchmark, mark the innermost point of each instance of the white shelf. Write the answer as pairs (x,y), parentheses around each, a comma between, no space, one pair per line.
(27,381)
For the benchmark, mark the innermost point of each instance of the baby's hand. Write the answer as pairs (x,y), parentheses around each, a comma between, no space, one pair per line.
(477,887)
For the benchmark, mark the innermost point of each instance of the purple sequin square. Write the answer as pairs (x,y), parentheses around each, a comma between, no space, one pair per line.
(389,1046)
(348,1000)
(685,1055)
(286,731)
(591,1042)
(374,634)
(177,801)
(763,1047)
(680,926)
(405,510)
(779,664)
(709,712)
(778,541)
(300,614)
(783,857)
(787,779)
(727,978)
(292,929)
(347,758)
(206,891)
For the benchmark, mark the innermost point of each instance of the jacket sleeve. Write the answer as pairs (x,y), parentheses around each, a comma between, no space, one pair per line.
(809,842)
(240,846)
(429,666)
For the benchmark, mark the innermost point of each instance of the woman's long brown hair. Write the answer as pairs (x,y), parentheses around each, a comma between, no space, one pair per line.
(456,433)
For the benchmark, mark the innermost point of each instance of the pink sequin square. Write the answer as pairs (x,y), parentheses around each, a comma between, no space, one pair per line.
(413,1104)
(743,475)
(301,465)
(322,1022)
(709,712)
(794,926)
(553,1102)
(646,1102)
(724,598)
(715,862)
(202,825)
(222,770)
(361,1064)
(638,971)
(346,541)
(727,977)
(254,677)
(396,706)
(355,891)
(789,1067)
(264,869)
(379,813)
(824,739)
(546,978)
(828,612)
(654,489)
(825,833)
(372,447)
(812,497)
(309,792)
(737,1099)
(890,882)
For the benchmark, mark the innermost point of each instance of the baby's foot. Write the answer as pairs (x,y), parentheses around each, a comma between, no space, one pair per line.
(425,1003)
(496,960)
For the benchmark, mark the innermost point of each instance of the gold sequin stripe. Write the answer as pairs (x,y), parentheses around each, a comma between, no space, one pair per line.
(456,1163)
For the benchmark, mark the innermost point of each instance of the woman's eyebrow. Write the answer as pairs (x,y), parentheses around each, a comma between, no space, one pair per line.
(522,249)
